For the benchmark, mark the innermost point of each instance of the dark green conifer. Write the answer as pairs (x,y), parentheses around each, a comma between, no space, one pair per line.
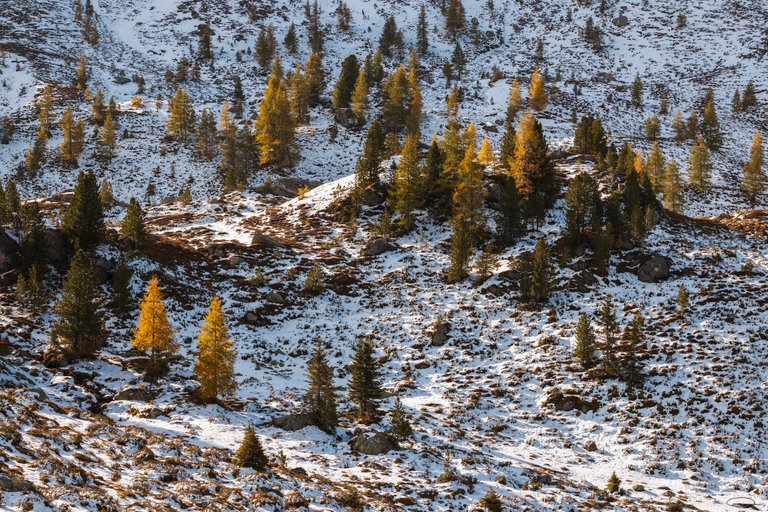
(365,382)
(321,395)
(83,220)
(251,453)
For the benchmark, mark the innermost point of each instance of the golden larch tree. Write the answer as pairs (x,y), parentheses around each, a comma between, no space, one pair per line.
(486,156)
(153,332)
(538,96)
(215,365)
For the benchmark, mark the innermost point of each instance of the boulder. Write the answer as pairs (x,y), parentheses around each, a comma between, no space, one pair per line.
(9,252)
(58,250)
(262,241)
(135,394)
(373,195)
(346,118)
(378,246)
(582,282)
(440,331)
(102,269)
(653,268)
(15,485)
(288,187)
(621,21)
(590,446)
(294,422)
(372,443)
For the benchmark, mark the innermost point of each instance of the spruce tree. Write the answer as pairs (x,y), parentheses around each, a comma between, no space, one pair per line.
(454,18)
(581,205)
(655,165)
(585,342)
(507,149)
(509,221)
(396,100)
(153,332)
(710,126)
(32,244)
(700,166)
(204,48)
(321,394)
(536,283)
(181,116)
(632,346)
(461,249)
(390,37)
(749,98)
(736,102)
(298,96)
(401,426)
(215,367)
(73,135)
(422,34)
(275,126)
(637,92)
(531,166)
(108,139)
(78,330)
(407,192)
(365,382)
(679,127)
(266,44)
(290,40)
(754,174)
(413,118)
(367,168)
(132,225)
(315,77)
(345,85)
(607,320)
(251,453)
(122,297)
(537,95)
(83,221)
(453,143)
(458,60)
(98,109)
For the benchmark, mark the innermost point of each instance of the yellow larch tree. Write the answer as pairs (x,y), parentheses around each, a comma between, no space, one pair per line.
(215,365)
(153,333)
(538,96)
(486,156)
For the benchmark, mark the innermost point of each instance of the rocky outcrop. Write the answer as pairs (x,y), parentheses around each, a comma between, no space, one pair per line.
(378,246)
(262,241)
(346,118)
(294,422)
(288,187)
(58,250)
(9,252)
(439,332)
(373,443)
(135,394)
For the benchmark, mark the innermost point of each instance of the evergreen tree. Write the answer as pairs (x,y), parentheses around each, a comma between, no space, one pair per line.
(509,211)
(206,144)
(507,150)
(468,193)
(754,174)
(344,16)
(590,138)
(204,47)
(367,168)
(607,320)
(298,96)
(652,127)
(397,100)
(78,330)
(736,102)
(455,18)
(11,203)
(461,249)
(538,96)
(458,60)
(290,40)
(401,426)
(108,139)
(35,156)
(655,165)
(422,36)
(215,365)
(153,332)
(710,126)
(632,346)
(637,92)
(491,502)
(45,109)
(315,77)
(275,126)
(122,298)
(365,382)
(345,85)
(514,102)
(315,31)
(453,143)
(581,201)
(537,271)
(407,192)
(83,220)
(749,98)
(30,289)
(98,109)
(413,118)
(673,188)
(181,116)
(531,166)
(614,484)
(360,97)
(321,395)
(132,225)
(73,134)
(390,37)
(32,244)
(251,453)
(585,342)
(693,125)
(700,166)
(266,44)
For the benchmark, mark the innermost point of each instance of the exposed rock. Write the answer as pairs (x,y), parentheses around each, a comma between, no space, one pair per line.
(653,269)
(9,252)
(373,195)
(346,118)
(621,21)
(568,402)
(288,187)
(378,246)
(15,484)
(490,127)
(262,241)
(582,281)
(372,443)
(440,332)
(135,394)
(590,446)
(102,269)
(275,297)
(58,250)
(294,422)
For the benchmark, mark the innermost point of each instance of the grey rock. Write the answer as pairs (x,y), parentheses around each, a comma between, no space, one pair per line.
(372,443)
(294,422)
(621,21)
(9,252)
(15,484)
(288,187)
(262,241)
(346,118)
(440,332)
(378,246)
(653,269)
(590,446)
(58,250)
(135,394)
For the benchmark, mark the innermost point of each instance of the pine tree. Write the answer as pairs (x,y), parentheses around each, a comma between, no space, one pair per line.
(206,135)
(509,211)
(315,77)
(181,116)
(122,298)
(514,102)
(365,382)
(652,127)
(581,200)
(468,193)
(413,118)
(486,156)
(736,102)
(73,134)
(538,96)
(290,40)
(401,426)
(215,365)
(682,300)
(454,18)
(491,502)
(700,166)
(458,60)
(81,75)
(251,453)
(360,97)
(367,168)
(275,126)
(98,109)
(461,250)
(397,100)
(749,98)
(390,37)
(673,188)
(407,192)
(321,395)
(607,320)
(693,125)
(32,243)
(132,225)
(710,126)
(153,332)
(422,36)
(536,283)
(754,174)
(453,143)
(108,139)
(507,150)
(530,166)
(614,484)
(637,92)
(83,220)
(266,44)
(345,85)
(585,342)
(632,346)
(78,330)
(315,31)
